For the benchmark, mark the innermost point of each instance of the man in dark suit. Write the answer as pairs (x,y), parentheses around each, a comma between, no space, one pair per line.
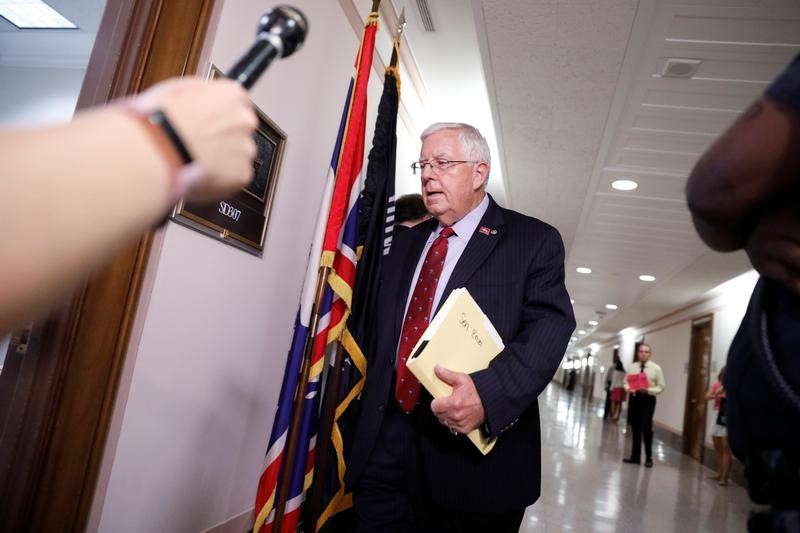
(411,467)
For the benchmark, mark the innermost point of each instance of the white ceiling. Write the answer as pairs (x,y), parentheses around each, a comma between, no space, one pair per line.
(579,100)
(53,48)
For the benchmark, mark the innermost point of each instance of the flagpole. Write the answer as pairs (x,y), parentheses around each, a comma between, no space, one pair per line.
(324,437)
(299,401)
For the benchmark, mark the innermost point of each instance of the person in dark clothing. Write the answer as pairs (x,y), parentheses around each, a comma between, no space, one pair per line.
(743,194)
(411,467)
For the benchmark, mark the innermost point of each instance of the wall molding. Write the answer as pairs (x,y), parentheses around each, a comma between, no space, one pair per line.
(237,524)
(408,63)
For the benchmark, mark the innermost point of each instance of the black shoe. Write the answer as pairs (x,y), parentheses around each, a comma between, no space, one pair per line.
(648,463)
(631,461)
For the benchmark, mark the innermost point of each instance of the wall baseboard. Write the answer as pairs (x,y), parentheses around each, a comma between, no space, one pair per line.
(708,458)
(241,523)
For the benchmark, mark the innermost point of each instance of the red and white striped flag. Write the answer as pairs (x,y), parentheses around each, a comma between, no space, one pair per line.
(334,246)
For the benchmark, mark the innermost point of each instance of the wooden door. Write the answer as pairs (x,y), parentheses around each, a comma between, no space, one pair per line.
(694,418)
(62,381)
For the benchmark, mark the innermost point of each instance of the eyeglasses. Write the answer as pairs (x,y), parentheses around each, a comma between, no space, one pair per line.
(437,165)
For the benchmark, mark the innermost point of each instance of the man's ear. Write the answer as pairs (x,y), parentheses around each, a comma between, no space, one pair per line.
(480,175)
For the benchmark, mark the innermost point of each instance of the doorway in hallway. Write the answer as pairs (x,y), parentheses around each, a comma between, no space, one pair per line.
(694,417)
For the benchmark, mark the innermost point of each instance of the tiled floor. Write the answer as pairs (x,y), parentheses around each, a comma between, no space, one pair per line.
(586,487)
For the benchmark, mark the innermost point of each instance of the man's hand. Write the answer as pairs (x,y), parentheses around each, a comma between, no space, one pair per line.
(774,247)
(462,411)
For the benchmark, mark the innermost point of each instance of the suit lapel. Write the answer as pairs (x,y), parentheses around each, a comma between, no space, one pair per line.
(478,248)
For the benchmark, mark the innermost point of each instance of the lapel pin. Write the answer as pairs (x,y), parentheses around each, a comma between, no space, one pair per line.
(486,231)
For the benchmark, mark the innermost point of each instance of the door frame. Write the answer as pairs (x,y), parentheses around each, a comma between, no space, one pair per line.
(68,366)
(696,412)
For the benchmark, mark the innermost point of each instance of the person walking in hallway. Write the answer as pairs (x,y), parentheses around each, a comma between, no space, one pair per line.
(642,405)
(411,466)
(719,435)
(618,395)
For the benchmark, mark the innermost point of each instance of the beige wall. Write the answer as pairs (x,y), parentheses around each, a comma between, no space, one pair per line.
(671,351)
(204,370)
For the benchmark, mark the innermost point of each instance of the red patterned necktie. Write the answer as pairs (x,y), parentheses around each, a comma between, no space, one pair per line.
(406,388)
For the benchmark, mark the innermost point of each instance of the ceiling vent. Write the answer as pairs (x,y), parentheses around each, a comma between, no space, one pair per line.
(425,13)
(680,68)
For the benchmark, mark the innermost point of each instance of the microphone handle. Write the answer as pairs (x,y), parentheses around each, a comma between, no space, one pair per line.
(247,70)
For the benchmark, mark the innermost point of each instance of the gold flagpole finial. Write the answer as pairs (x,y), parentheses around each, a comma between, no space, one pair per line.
(401,24)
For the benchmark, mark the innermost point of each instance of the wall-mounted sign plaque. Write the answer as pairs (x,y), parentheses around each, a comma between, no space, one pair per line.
(241,220)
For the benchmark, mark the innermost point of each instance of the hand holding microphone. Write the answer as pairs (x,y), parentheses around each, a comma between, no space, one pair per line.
(214,121)
(124,165)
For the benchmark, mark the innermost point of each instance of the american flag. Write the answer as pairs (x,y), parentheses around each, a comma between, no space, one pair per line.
(333,246)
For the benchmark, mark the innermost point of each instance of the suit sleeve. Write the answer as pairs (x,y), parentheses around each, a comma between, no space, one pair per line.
(517,376)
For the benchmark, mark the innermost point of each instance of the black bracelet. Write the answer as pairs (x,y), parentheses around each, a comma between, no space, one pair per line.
(158,118)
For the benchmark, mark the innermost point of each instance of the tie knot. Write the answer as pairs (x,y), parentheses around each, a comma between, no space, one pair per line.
(447,232)
(642,367)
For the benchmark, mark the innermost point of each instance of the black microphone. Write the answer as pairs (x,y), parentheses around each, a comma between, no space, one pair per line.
(280,32)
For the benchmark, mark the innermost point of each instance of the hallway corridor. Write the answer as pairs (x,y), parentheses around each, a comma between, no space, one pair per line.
(586,487)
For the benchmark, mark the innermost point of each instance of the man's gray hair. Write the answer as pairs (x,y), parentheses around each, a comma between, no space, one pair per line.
(474,144)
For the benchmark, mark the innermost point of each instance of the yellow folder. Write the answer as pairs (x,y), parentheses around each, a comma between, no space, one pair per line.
(461,338)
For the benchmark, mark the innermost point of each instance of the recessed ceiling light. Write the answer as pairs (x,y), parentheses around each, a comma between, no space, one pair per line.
(593,322)
(583,270)
(647,277)
(33,14)
(612,306)
(573,339)
(624,185)
(571,301)
(581,332)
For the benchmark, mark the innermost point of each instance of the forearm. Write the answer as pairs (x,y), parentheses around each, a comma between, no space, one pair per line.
(508,390)
(517,376)
(75,198)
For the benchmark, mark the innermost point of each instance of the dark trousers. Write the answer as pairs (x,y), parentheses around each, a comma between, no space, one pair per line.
(640,413)
(385,495)
(390,497)
(475,522)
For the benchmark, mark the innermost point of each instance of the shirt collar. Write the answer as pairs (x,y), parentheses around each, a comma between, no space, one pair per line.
(465,227)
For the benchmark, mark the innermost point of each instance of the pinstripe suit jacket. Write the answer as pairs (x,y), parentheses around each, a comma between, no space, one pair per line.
(517,277)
